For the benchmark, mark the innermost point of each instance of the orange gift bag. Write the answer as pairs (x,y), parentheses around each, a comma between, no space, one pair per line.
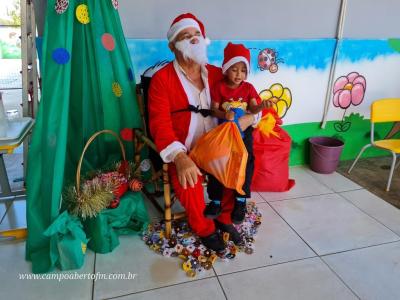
(222,153)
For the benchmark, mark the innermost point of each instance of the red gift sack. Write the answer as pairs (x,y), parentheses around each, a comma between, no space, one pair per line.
(271,147)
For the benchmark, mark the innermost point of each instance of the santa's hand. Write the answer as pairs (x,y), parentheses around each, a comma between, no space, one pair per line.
(186,169)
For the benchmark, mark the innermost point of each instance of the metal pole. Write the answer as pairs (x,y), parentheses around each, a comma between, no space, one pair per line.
(29,68)
(33,53)
(24,56)
(339,37)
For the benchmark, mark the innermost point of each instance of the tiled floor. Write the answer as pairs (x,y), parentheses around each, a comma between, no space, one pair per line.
(327,238)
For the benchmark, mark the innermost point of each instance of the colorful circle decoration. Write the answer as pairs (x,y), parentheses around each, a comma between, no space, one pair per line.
(82,14)
(61,6)
(127,134)
(108,41)
(130,74)
(60,56)
(117,90)
(115,3)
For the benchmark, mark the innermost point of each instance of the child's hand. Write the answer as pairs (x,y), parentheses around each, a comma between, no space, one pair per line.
(266,104)
(230,115)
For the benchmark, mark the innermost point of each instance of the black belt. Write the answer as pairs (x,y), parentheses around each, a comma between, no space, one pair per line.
(204,112)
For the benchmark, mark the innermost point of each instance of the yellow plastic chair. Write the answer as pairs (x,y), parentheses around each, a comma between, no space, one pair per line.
(384,110)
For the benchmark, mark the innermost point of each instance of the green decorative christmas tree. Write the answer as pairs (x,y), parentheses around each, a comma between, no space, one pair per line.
(87,86)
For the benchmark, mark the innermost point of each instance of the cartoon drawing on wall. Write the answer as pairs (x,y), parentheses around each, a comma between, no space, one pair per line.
(348,90)
(268,60)
(280,96)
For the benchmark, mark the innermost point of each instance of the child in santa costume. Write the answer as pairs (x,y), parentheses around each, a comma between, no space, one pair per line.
(231,98)
(179,113)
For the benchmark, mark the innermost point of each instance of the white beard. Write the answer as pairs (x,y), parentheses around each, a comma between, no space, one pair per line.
(196,52)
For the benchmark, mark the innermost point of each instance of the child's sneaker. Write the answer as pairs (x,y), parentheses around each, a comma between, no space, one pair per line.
(239,211)
(213,209)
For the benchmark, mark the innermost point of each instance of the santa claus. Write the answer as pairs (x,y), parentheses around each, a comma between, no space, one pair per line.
(179,102)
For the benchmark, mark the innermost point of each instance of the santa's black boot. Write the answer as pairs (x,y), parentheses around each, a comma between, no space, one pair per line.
(234,235)
(213,241)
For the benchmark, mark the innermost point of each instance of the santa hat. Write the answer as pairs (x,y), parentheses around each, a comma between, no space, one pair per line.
(182,22)
(234,53)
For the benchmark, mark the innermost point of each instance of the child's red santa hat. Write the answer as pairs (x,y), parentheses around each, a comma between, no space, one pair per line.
(234,53)
(184,21)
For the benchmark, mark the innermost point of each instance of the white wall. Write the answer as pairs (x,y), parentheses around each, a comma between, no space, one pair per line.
(372,19)
(234,19)
(257,19)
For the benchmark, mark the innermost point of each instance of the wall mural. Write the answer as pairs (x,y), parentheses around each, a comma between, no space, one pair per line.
(289,78)
(294,74)
(298,84)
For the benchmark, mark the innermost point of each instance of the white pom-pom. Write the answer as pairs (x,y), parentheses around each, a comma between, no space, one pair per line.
(207,41)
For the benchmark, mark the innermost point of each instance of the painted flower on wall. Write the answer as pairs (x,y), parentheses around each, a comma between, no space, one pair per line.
(348,90)
(280,96)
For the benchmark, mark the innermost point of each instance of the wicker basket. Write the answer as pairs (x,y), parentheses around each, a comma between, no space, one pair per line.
(102,191)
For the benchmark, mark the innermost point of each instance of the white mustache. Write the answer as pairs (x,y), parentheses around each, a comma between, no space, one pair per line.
(196,52)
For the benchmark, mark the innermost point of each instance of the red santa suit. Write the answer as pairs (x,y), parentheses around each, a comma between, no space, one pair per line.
(175,129)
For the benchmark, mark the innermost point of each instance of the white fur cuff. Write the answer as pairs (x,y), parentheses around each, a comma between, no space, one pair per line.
(168,153)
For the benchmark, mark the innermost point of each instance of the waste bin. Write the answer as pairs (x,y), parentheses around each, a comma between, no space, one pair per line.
(324,154)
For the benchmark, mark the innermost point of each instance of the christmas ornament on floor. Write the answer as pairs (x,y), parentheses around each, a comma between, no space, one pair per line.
(135,185)
(188,247)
